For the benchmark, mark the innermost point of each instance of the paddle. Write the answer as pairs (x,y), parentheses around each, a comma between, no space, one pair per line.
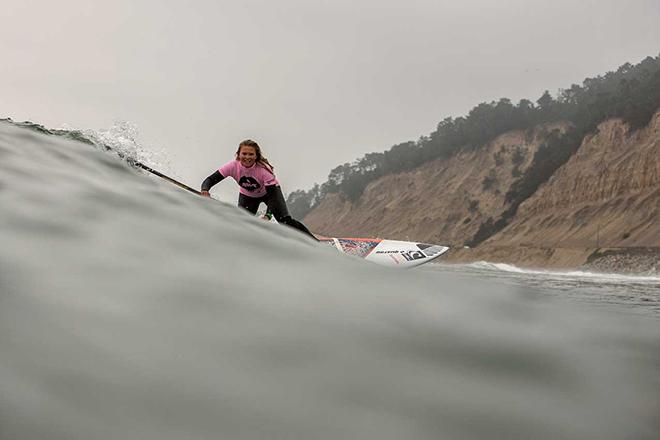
(162,176)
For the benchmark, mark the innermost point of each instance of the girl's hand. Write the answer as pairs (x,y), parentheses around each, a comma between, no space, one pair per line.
(205,193)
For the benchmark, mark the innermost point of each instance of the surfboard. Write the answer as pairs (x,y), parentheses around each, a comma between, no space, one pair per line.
(387,252)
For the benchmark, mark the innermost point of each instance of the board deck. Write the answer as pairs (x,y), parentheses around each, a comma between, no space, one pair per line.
(392,253)
(387,252)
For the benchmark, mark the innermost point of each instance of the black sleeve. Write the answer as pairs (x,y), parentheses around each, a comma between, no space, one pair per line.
(212,180)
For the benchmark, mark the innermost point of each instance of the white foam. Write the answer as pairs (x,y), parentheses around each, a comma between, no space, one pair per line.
(123,137)
(503,267)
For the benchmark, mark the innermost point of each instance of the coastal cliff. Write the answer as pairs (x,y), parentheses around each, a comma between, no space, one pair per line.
(600,206)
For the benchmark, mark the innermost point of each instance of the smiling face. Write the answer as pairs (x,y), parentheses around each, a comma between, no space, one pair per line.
(247,155)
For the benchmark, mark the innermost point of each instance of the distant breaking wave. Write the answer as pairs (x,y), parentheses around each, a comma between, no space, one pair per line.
(484,265)
(496,266)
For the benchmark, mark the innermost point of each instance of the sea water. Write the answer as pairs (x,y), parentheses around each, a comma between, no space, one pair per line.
(131,309)
(638,294)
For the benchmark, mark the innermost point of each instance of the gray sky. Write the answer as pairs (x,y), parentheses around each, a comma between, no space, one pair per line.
(316,83)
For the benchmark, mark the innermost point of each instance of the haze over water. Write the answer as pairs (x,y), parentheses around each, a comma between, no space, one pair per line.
(132,309)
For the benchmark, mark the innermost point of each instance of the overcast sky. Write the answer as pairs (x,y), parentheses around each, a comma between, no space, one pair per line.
(316,83)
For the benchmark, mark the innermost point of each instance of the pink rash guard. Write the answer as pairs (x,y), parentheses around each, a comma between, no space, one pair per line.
(253,181)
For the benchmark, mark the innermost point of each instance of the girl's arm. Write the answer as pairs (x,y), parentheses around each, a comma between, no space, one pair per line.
(210,181)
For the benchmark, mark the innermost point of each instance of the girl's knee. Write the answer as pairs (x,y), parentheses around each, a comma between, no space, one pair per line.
(287,220)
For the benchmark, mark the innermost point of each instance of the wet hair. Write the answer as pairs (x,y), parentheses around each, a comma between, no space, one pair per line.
(261,160)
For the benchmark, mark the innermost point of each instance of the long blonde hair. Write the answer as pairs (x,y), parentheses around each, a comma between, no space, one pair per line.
(261,160)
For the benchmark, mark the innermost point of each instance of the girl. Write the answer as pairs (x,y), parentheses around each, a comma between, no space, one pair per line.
(254,174)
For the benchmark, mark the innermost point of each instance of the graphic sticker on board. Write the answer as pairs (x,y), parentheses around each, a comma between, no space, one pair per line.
(359,248)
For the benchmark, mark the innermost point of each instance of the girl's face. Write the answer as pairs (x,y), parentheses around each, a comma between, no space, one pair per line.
(247,155)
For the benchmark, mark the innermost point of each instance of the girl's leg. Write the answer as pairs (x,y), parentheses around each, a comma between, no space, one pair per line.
(277,206)
(249,203)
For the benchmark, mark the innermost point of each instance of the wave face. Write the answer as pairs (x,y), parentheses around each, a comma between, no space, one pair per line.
(132,309)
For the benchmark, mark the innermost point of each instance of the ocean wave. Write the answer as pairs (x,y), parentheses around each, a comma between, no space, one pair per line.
(132,309)
(503,267)
(121,139)
(496,266)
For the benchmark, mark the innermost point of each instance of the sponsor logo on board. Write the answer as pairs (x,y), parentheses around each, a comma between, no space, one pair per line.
(431,249)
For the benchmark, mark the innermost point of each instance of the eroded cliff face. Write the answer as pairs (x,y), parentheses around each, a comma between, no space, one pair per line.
(444,201)
(606,196)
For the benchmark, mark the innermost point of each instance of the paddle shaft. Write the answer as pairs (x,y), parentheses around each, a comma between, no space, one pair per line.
(163,176)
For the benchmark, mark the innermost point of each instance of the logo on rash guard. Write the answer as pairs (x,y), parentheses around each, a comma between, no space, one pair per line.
(249,183)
